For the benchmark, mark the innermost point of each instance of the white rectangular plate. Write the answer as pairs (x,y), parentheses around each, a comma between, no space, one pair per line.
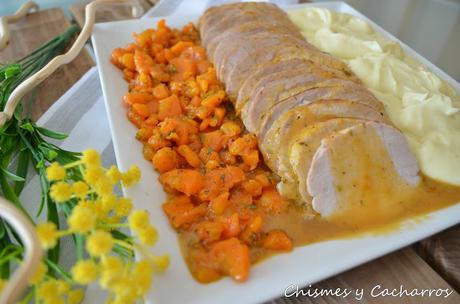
(305,265)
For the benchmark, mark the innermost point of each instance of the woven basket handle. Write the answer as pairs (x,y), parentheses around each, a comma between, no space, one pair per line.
(22,225)
(53,65)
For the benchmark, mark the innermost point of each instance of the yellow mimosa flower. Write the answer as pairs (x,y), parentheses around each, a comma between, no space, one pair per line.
(82,219)
(84,272)
(61,192)
(55,172)
(91,158)
(99,243)
(48,234)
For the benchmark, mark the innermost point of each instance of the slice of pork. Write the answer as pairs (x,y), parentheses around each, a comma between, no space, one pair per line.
(213,16)
(329,89)
(279,138)
(355,166)
(238,34)
(304,146)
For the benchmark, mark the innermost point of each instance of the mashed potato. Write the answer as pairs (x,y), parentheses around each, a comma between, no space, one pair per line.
(420,104)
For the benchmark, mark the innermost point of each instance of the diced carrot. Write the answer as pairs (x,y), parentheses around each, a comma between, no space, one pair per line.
(272,200)
(190,156)
(134,97)
(263,180)
(232,226)
(206,274)
(253,187)
(250,234)
(194,52)
(233,176)
(202,83)
(165,160)
(243,145)
(145,38)
(159,74)
(202,112)
(141,109)
(128,61)
(277,240)
(153,107)
(239,197)
(251,158)
(214,140)
(190,216)
(169,107)
(185,68)
(116,58)
(144,134)
(232,257)
(186,181)
(231,128)
(203,66)
(221,179)
(219,203)
(210,231)
(227,157)
(177,129)
(196,101)
(148,152)
(135,118)
(219,114)
(181,211)
(207,154)
(160,91)
(180,46)
(157,141)
(256,224)
(213,100)
(144,63)
(152,120)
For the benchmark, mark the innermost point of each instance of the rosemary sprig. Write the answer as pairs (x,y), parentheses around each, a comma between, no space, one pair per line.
(23,141)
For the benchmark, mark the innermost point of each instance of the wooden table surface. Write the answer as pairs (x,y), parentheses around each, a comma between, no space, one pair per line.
(432,263)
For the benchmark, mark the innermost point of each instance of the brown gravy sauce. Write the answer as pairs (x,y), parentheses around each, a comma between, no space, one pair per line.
(380,200)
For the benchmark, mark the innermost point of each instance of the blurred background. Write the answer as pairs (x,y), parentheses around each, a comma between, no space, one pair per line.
(431,27)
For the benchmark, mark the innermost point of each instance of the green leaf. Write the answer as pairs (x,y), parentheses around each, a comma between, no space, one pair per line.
(11,196)
(40,164)
(12,70)
(2,229)
(21,170)
(51,134)
(27,126)
(12,176)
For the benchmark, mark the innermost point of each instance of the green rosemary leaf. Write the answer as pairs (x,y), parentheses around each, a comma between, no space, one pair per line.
(10,195)
(51,134)
(12,176)
(27,126)
(21,170)
(11,70)
(2,230)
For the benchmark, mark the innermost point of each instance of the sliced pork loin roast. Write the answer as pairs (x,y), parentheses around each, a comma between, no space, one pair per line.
(267,50)
(336,89)
(216,18)
(300,89)
(277,141)
(219,46)
(353,165)
(303,148)
(306,107)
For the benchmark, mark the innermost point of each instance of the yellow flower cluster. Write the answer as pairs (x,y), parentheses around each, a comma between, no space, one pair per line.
(96,213)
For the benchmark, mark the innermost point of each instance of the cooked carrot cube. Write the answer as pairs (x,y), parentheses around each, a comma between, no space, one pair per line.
(169,107)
